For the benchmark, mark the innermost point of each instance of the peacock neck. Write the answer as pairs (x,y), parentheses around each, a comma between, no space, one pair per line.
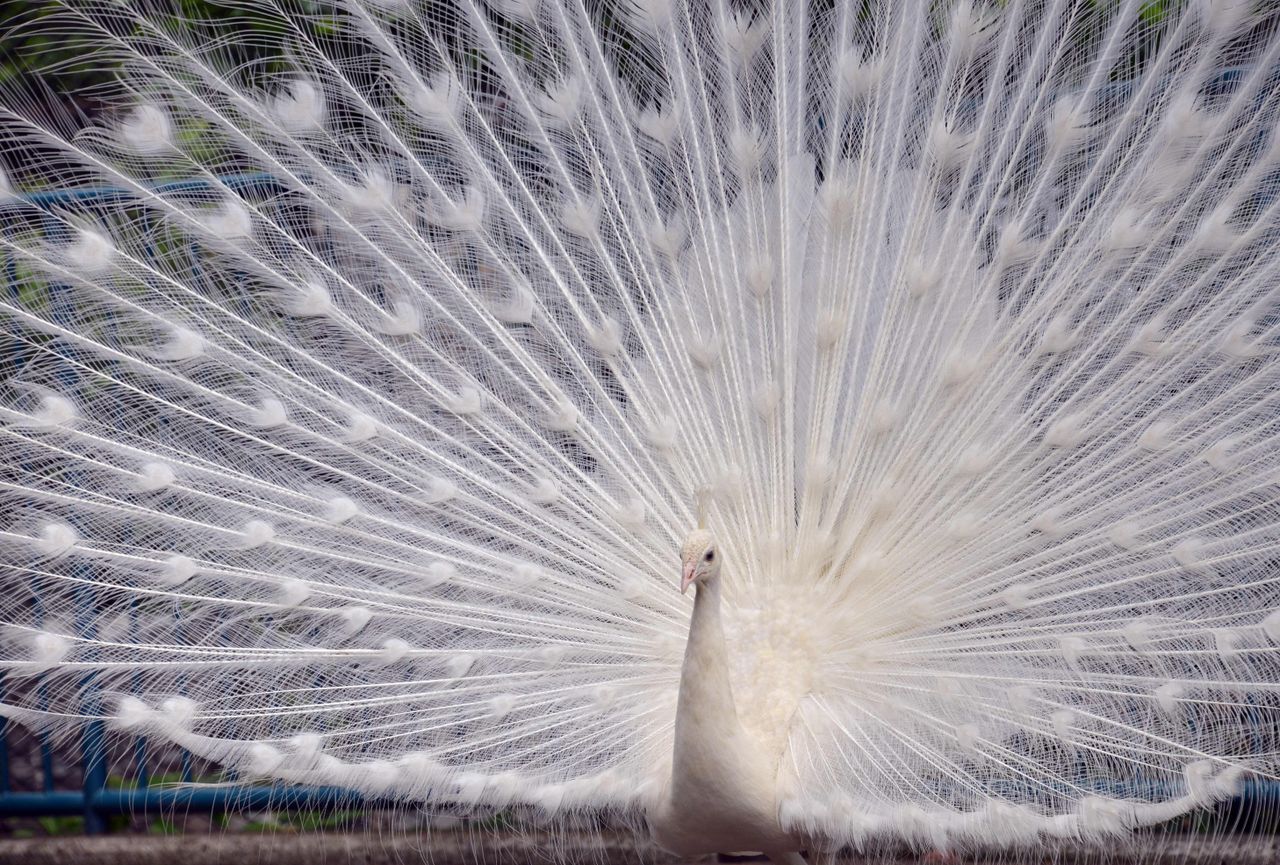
(706,706)
(722,794)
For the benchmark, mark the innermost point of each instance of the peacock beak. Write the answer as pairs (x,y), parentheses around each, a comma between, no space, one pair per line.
(686,577)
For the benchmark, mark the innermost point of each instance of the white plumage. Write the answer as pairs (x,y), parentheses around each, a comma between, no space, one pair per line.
(351,437)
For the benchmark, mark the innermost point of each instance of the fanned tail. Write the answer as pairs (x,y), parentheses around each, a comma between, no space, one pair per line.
(349,437)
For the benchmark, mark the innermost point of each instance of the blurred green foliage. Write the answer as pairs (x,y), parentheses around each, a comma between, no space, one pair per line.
(39,54)
(56,826)
(22,38)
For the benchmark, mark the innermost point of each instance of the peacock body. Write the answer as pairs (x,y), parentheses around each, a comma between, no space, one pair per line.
(353,436)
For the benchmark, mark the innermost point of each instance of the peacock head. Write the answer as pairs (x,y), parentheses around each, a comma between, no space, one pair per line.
(699,559)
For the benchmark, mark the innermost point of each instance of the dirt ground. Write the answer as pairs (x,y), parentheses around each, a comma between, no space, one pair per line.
(468,849)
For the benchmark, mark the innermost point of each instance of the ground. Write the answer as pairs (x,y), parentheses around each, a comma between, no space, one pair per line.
(453,848)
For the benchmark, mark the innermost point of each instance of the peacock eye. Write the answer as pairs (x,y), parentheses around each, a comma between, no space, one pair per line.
(710,556)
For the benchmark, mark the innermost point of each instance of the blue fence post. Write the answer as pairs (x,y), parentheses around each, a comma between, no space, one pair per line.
(5,786)
(93,744)
(95,776)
